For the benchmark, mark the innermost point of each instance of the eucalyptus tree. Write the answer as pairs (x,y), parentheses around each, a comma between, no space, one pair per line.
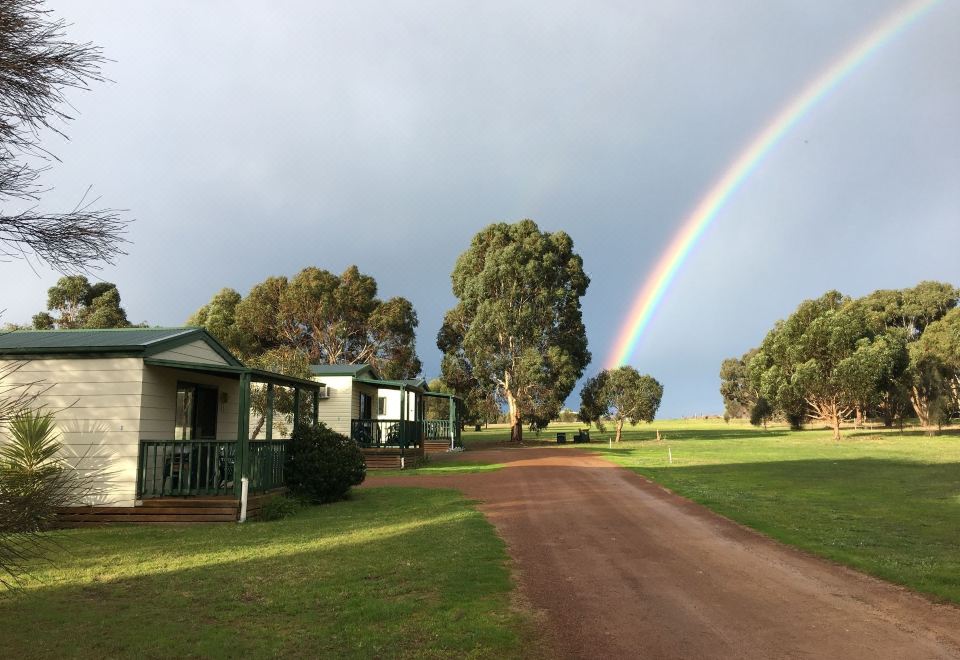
(622,395)
(331,319)
(906,314)
(517,328)
(76,303)
(285,325)
(826,356)
(739,394)
(935,369)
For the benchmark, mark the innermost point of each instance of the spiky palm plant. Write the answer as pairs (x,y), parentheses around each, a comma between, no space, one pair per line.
(34,480)
(34,447)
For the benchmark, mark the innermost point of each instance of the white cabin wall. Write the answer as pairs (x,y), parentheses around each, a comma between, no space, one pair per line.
(337,410)
(160,402)
(96,402)
(393,406)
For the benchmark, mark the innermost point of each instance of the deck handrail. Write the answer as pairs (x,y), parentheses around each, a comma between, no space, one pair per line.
(180,468)
(382,433)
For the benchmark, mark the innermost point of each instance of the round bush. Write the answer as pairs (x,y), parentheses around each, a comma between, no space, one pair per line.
(322,464)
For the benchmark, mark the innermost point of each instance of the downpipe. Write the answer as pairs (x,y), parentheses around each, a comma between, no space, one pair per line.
(244,491)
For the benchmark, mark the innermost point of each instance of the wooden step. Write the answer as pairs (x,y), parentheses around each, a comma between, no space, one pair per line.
(167,510)
(189,501)
(148,518)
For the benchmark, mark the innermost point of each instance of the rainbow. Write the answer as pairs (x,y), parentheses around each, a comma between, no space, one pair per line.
(659,279)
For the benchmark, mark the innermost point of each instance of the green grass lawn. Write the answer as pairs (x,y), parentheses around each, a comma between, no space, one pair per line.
(442,464)
(390,573)
(885,503)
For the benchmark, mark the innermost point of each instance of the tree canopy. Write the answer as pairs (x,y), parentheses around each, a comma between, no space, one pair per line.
(739,394)
(835,357)
(826,355)
(316,317)
(935,370)
(76,303)
(517,330)
(622,395)
(330,319)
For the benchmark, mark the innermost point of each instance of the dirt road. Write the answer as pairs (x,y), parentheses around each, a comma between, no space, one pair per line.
(621,568)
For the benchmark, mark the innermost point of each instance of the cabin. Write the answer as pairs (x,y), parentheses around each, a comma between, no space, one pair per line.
(386,418)
(158,417)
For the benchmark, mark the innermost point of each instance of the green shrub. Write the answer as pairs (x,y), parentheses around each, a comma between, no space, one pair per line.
(322,464)
(279,507)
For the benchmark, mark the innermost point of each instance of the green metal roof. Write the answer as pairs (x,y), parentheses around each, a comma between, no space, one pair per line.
(341,369)
(139,342)
(41,340)
(106,341)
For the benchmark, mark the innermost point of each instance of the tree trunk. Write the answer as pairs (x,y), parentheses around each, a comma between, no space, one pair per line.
(921,405)
(836,425)
(619,429)
(858,418)
(258,427)
(516,423)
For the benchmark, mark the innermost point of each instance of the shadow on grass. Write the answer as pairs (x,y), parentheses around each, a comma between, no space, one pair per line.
(439,587)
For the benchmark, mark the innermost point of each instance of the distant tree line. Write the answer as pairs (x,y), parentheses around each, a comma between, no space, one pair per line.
(890,355)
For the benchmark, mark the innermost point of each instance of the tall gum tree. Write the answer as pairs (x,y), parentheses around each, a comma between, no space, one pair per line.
(518,328)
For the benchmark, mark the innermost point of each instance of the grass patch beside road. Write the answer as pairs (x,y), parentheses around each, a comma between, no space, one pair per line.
(437,466)
(393,572)
(880,501)
(885,503)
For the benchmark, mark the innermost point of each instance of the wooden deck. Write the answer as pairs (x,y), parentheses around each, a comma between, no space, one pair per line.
(390,459)
(165,511)
(436,446)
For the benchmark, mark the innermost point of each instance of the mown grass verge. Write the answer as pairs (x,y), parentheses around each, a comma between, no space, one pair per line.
(393,572)
(884,503)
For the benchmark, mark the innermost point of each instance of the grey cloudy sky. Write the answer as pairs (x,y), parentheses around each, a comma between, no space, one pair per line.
(253,139)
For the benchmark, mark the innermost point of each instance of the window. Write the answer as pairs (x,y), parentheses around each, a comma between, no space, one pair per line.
(196,412)
(381,406)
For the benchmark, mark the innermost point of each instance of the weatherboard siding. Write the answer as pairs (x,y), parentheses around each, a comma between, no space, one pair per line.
(197,352)
(96,402)
(337,410)
(159,407)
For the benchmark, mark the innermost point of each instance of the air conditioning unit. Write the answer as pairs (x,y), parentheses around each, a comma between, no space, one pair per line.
(324,392)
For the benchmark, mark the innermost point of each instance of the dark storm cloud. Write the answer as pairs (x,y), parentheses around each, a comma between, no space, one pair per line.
(255,139)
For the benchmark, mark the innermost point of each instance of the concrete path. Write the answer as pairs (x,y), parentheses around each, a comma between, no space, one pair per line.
(621,568)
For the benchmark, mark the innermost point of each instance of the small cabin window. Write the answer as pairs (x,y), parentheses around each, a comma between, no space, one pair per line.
(381,406)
